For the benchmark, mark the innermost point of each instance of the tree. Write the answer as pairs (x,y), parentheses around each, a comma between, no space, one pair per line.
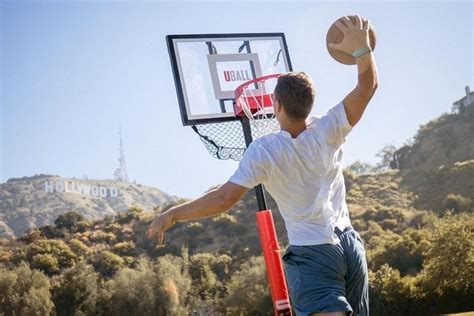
(132,213)
(50,256)
(403,252)
(76,293)
(107,263)
(68,221)
(389,293)
(24,291)
(386,155)
(248,290)
(45,262)
(448,274)
(79,248)
(149,289)
(204,279)
(457,203)
(359,167)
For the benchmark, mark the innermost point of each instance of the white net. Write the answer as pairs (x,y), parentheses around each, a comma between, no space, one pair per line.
(226,140)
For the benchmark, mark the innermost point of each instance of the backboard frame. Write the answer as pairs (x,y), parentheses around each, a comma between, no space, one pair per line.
(178,78)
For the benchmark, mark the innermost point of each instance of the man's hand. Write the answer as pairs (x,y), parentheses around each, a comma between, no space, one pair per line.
(356,36)
(158,226)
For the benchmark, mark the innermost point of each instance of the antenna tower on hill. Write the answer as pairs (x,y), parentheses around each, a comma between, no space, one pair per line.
(121,173)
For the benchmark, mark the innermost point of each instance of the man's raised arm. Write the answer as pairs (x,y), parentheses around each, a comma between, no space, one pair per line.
(356,101)
(356,43)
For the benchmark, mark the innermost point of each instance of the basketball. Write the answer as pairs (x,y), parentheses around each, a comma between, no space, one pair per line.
(334,35)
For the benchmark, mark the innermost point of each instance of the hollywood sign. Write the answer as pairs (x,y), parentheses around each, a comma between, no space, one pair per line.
(80,188)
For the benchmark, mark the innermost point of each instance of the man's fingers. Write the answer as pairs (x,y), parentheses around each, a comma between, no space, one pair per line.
(149,232)
(358,22)
(162,237)
(341,26)
(334,46)
(365,24)
(347,21)
(368,26)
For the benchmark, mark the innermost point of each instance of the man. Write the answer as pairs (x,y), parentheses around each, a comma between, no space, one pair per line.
(301,167)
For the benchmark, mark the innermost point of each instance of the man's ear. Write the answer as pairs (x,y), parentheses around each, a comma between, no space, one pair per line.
(278,106)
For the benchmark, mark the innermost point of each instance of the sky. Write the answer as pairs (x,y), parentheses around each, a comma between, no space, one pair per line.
(72,72)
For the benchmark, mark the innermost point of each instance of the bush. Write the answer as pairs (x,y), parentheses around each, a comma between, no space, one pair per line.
(100,236)
(79,248)
(149,289)
(204,279)
(449,270)
(389,293)
(126,248)
(248,290)
(457,203)
(107,263)
(68,221)
(403,252)
(131,214)
(50,255)
(24,292)
(76,293)
(45,262)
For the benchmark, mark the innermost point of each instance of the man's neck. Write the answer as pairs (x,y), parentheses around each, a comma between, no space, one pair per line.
(294,128)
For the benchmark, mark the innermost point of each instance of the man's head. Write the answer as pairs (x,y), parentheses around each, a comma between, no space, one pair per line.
(295,93)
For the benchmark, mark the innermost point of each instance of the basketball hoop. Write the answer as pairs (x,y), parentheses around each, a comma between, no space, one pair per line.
(255,103)
(254,100)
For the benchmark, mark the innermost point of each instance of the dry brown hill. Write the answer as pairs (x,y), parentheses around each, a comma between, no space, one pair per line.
(442,141)
(36,201)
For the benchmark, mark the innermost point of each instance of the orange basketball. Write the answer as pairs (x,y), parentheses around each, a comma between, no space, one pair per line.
(334,35)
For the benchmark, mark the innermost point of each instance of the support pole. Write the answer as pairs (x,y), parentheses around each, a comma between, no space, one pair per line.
(261,202)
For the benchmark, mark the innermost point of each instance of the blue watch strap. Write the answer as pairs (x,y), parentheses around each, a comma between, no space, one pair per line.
(361,52)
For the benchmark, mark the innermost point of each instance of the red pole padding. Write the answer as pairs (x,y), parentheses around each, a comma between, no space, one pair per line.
(271,252)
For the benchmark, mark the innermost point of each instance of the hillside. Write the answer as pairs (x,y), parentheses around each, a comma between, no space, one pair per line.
(442,141)
(36,201)
(393,199)
(416,252)
(416,222)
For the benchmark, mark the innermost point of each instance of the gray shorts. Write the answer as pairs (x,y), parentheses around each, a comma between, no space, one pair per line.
(328,278)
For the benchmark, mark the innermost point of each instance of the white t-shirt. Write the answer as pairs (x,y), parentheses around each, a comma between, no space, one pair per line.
(304,176)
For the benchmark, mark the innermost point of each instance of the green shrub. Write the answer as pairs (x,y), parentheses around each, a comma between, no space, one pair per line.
(77,291)
(79,248)
(159,289)
(126,248)
(100,236)
(248,290)
(24,291)
(389,293)
(45,262)
(457,203)
(107,263)
(50,255)
(68,221)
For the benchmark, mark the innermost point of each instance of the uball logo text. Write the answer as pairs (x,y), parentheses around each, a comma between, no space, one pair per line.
(236,75)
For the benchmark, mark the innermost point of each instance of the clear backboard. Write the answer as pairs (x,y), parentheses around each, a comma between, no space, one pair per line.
(207,68)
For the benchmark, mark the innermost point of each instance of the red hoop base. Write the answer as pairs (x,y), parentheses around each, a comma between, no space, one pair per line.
(253,102)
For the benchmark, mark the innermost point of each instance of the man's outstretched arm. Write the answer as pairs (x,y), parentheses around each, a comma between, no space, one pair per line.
(356,38)
(212,203)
